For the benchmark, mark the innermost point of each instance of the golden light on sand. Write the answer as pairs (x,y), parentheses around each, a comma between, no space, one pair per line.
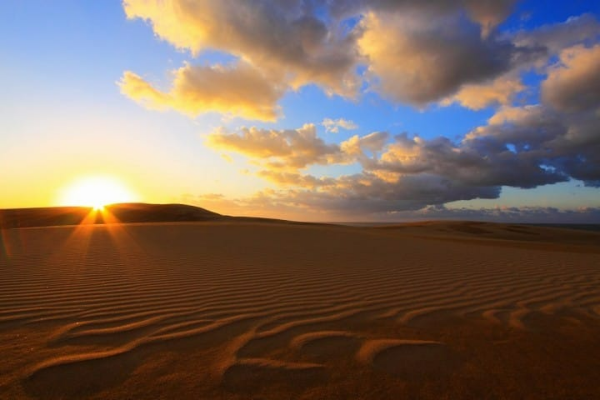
(96,192)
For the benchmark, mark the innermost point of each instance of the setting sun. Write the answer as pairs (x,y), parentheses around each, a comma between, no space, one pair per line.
(96,192)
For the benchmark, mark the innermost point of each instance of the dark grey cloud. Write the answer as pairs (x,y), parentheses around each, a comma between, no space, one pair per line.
(293,205)
(367,194)
(418,62)
(492,155)
(488,13)
(556,37)
(573,83)
(419,54)
(563,144)
(539,215)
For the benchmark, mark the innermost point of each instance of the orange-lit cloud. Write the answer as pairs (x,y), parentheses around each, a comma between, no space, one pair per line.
(516,114)
(360,146)
(239,90)
(291,148)
(489,13)
(479,96)
(283,179)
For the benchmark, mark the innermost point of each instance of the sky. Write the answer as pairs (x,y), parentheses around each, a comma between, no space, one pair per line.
(348,110)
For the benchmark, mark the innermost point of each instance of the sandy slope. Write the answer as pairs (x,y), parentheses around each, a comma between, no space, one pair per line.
(254,310)
(123,212)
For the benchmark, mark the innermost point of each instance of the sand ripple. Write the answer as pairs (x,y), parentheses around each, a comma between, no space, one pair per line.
(249,303)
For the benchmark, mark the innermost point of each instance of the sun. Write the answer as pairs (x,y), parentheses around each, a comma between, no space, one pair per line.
(96,192)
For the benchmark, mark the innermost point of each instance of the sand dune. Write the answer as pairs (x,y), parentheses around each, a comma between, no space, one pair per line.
(239,310)
(116,213)
(123,213)
(504,234)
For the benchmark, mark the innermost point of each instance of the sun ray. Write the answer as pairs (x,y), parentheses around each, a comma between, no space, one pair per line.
(93,193)
(5,244)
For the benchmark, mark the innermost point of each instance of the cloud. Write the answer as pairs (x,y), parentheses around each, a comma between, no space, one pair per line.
(367,193)
(283,179)
(296,149)
(573,84)
(481,162)
(360,146)
(297,43)
(478,96)
(540,215)
(556,37)
(334,125)
(563,144)
(280,204)
(532,49)
(527,128)
(136,88)
(416,61)
(266,203)
(489,13)
(486,13)
(237,89)
(283,155)
(414,52)
(523,147)
(281,38)
(279,149)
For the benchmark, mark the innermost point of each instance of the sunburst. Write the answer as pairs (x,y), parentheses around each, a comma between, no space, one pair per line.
(96,192)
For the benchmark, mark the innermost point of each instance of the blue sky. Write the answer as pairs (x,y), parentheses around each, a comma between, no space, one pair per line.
(91,88)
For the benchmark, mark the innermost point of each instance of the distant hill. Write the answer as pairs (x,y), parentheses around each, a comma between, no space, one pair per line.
(126,212)
(558,234)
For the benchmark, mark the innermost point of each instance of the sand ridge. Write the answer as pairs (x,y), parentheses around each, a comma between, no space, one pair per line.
(252,310)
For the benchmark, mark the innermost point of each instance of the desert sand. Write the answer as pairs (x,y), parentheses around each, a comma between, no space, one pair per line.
(232,309)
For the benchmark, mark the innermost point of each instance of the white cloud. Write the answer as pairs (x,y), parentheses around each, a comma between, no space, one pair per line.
(334,125)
